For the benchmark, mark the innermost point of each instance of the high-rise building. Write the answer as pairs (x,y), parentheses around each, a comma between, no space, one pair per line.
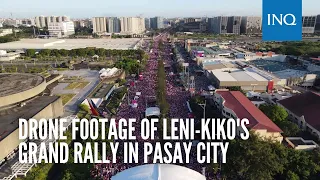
(220,24)
(210,25)
(251,25)
(317,27)
(189,20)
(147,23)
(113,25)
(308,24)
(234,23)
(156,23)
(61,29)
(41,21)
(99,25)
(132,25)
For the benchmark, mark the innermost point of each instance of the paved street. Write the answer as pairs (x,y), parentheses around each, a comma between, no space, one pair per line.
(89,75)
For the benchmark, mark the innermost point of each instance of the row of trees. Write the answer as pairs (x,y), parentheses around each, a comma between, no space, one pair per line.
(87,52)
(299,48)
(259,159)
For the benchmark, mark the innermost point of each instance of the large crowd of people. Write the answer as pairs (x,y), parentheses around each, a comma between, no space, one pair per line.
(139,90)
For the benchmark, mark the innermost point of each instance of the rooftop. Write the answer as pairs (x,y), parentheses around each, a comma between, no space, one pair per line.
(244,108)
(234,74)
(10,117)
(307,105)
(125,43)
(16,83)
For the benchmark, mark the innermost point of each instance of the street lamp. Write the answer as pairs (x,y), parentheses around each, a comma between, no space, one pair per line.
(204,108)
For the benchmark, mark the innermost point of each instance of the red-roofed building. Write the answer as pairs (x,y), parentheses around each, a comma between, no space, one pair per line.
(304,109)
(233,104)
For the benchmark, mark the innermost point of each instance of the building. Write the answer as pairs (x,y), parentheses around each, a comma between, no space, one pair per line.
(317,27)
(210,27)
(303,109)
(234,23)
(5,56)
(233,77)
(21,97)
(234,104)
(299,143)
(114,25)
(220,25)
(61,29)
(147,23)
(99,25)
(27,22)
(189,20)
(4,32)
(156,23)
(308,24)
(251,25)
(41,21)
(132,25)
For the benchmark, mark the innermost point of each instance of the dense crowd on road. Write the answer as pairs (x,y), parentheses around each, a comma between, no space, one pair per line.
(139,90)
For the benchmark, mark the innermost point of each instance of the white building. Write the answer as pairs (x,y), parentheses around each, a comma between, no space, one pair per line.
(132,25)
(308,24)
(61,29)
(99,25)
(4,56)
(4,32)
(42,21)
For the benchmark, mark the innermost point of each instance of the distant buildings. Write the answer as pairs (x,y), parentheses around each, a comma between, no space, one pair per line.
(99,25)
(114,25)
(147,23)
(132,25)
(234,23)
(82,23)
(308,24)
(61,29)
(43,21)
(220,25)
(251,25)
(156,23)
(317,27)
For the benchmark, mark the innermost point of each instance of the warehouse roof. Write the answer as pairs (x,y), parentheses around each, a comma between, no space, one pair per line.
(234,74)
(125,43)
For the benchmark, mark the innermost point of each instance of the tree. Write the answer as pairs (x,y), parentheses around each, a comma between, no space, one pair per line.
(276,113)
(236,88)
(288,128)
(254,159)
(30,52)
(84,107)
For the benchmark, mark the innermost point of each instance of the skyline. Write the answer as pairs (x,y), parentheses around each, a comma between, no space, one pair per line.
(145,8)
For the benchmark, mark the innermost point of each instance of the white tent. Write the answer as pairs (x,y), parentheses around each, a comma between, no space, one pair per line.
(159,172)
(108,72)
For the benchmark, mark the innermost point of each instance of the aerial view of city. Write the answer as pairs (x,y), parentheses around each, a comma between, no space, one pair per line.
(170,66)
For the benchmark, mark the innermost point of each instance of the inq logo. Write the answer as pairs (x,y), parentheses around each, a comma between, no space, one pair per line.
(282,19)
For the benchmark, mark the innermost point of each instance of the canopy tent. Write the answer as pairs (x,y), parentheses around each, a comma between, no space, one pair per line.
(152,111)
(158,172)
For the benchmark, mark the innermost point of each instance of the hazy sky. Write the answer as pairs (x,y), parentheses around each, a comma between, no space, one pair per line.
(146,8)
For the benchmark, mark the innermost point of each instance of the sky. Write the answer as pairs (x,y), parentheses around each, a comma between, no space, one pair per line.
(145,8)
